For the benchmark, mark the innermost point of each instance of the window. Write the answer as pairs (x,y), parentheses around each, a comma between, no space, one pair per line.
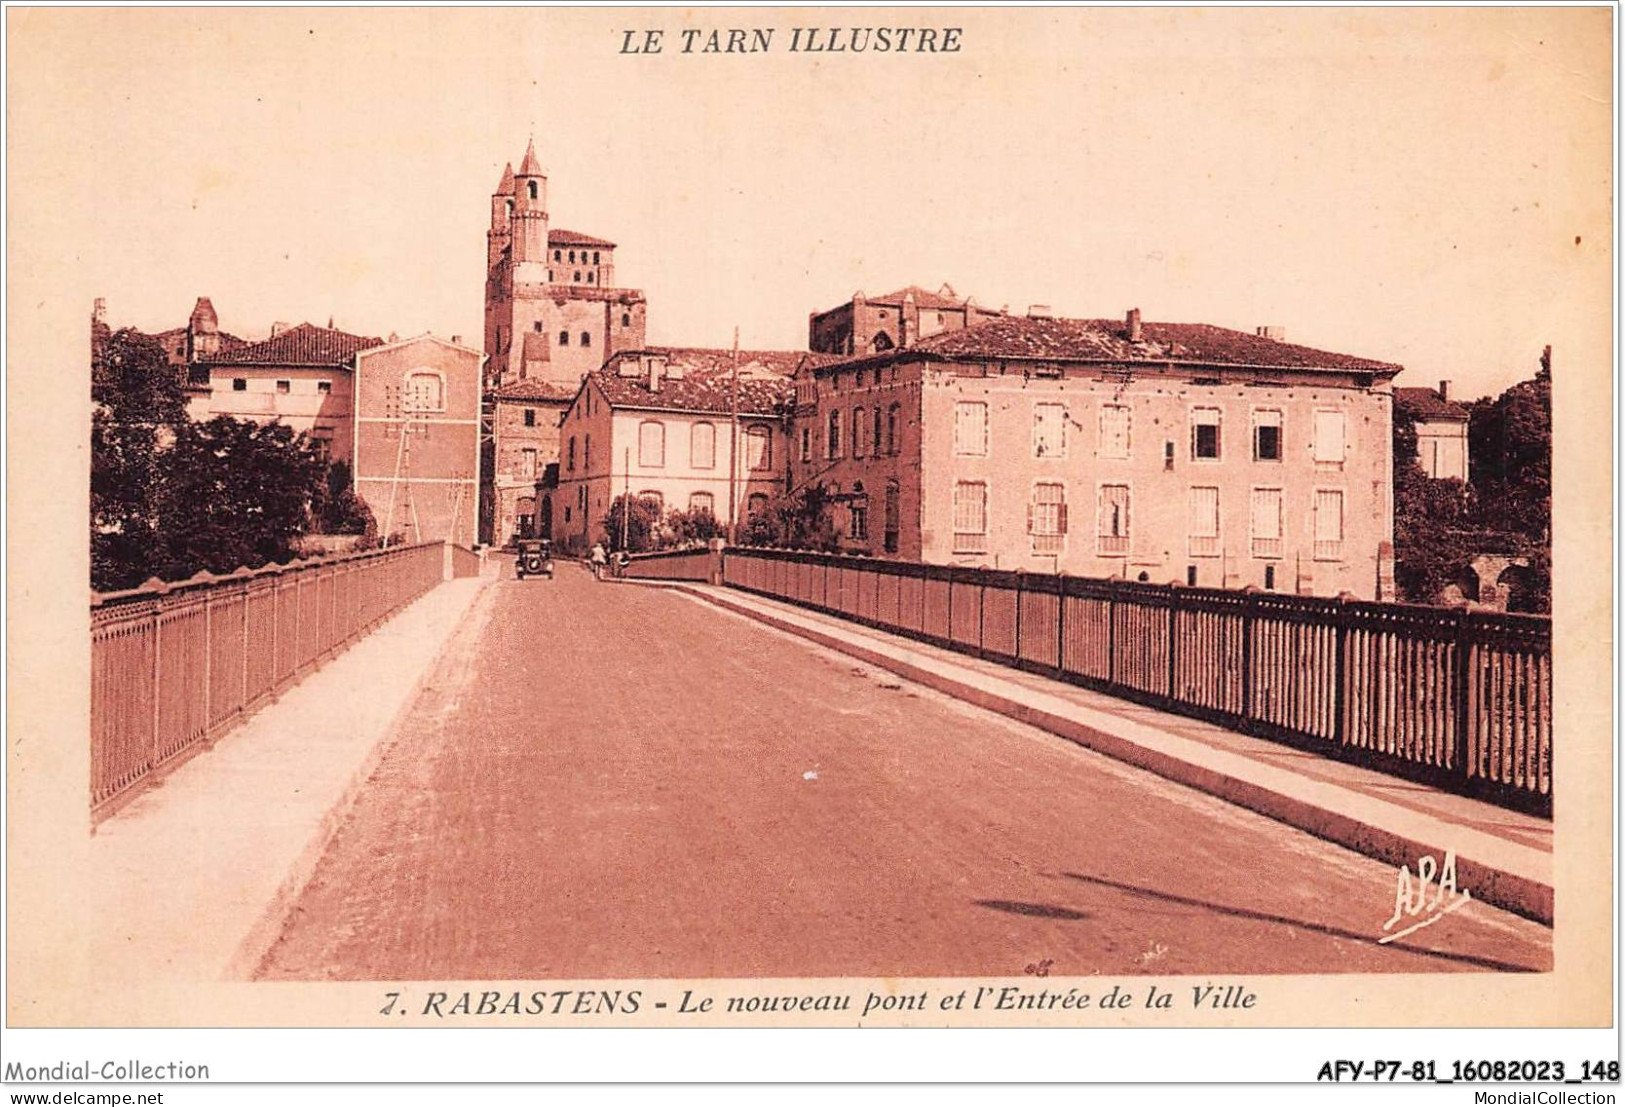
(586,451)
(564,338)
(530,417)
(970,429)
(1049,430)
(284,386)
(586,338)
(571,464)
(425,392)
(1266,435)
(558,255)
(626,319)
(832,445)
(758,448)
(577,278)
(1046,518)
(1329,439)
(1205,433)
(702,446)
(324,386)
(572,257)
(652,444)
(592,278)
(702,501)
(1328,524)
(876,439)
(858,521)
(650,496)
(806,443)
(595,257)
(970,516)
(1114,431)
(533,190)
(1267,522)
(1112,531)
(892,442)
(756,504)
(239,384)
(527,463)
(894,515)
(860,431)
(1204,522)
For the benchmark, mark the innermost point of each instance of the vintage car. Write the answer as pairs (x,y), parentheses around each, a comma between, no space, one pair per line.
(535,558)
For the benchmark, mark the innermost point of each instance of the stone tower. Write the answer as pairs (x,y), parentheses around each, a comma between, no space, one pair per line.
(550,313)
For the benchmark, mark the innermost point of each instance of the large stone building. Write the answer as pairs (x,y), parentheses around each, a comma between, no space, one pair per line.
(416,435)
(875,324)
(1441,430)
(659,424)
(1154,451)
(524,416)
(552,311)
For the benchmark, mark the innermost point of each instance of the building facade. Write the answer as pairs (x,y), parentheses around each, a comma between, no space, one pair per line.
(1441,430)
(1145,451)
(301,376)
(524,418)
(416,435)
(552,311)
(868,325)
(660,424)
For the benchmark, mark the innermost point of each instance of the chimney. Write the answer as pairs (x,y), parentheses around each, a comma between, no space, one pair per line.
(1274,334)
(277,328)
(1040,311)
(1136,333)
(98,310)
(1444,391)
(656,367)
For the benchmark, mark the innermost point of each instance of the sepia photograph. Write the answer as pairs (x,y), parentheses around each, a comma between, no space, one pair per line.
(823,518)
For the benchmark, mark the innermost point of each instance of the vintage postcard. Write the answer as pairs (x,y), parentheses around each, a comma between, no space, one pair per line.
(780,517)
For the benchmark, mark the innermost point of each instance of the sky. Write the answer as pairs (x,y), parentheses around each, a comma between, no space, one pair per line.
(1429,187)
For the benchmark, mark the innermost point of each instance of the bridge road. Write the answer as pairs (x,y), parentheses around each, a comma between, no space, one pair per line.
(617,781)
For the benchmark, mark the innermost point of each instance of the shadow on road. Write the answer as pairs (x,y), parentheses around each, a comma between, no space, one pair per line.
(1318,928)
(1036,910)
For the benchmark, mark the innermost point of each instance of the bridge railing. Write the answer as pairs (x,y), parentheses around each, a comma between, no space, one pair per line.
(1455,698)
(694,563)
(175,665)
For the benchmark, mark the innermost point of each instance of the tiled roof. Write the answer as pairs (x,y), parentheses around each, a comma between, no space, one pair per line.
(706,382)
(1427,406)
(931,301)
(534,388)
(305,344)
(1024,337)
(505,185)
(227,341)
(562,237)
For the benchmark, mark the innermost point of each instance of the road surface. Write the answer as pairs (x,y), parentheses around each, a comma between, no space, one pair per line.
(615,781)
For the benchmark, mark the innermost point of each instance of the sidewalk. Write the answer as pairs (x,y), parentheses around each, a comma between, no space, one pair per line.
(194,876)
(1503,857)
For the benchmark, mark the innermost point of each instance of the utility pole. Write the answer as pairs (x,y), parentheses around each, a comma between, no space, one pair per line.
(733,447)
(626,498)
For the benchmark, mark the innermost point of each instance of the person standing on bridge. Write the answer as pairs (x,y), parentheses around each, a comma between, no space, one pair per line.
(598,560)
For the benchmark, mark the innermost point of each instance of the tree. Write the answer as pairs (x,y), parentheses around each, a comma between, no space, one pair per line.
(337,509)
(236,493)
(641,525)
(688,527)
(139,408)
(799,520)
(1509,441)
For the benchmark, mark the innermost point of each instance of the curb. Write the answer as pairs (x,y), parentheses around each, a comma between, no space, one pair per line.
(257,944)
(1514,892)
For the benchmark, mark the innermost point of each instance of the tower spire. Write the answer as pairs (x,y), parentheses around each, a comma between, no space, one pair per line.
(530,167)
(505,185)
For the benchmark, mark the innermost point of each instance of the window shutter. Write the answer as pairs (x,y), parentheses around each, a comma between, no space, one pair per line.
(1029,517)
(1063,517)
